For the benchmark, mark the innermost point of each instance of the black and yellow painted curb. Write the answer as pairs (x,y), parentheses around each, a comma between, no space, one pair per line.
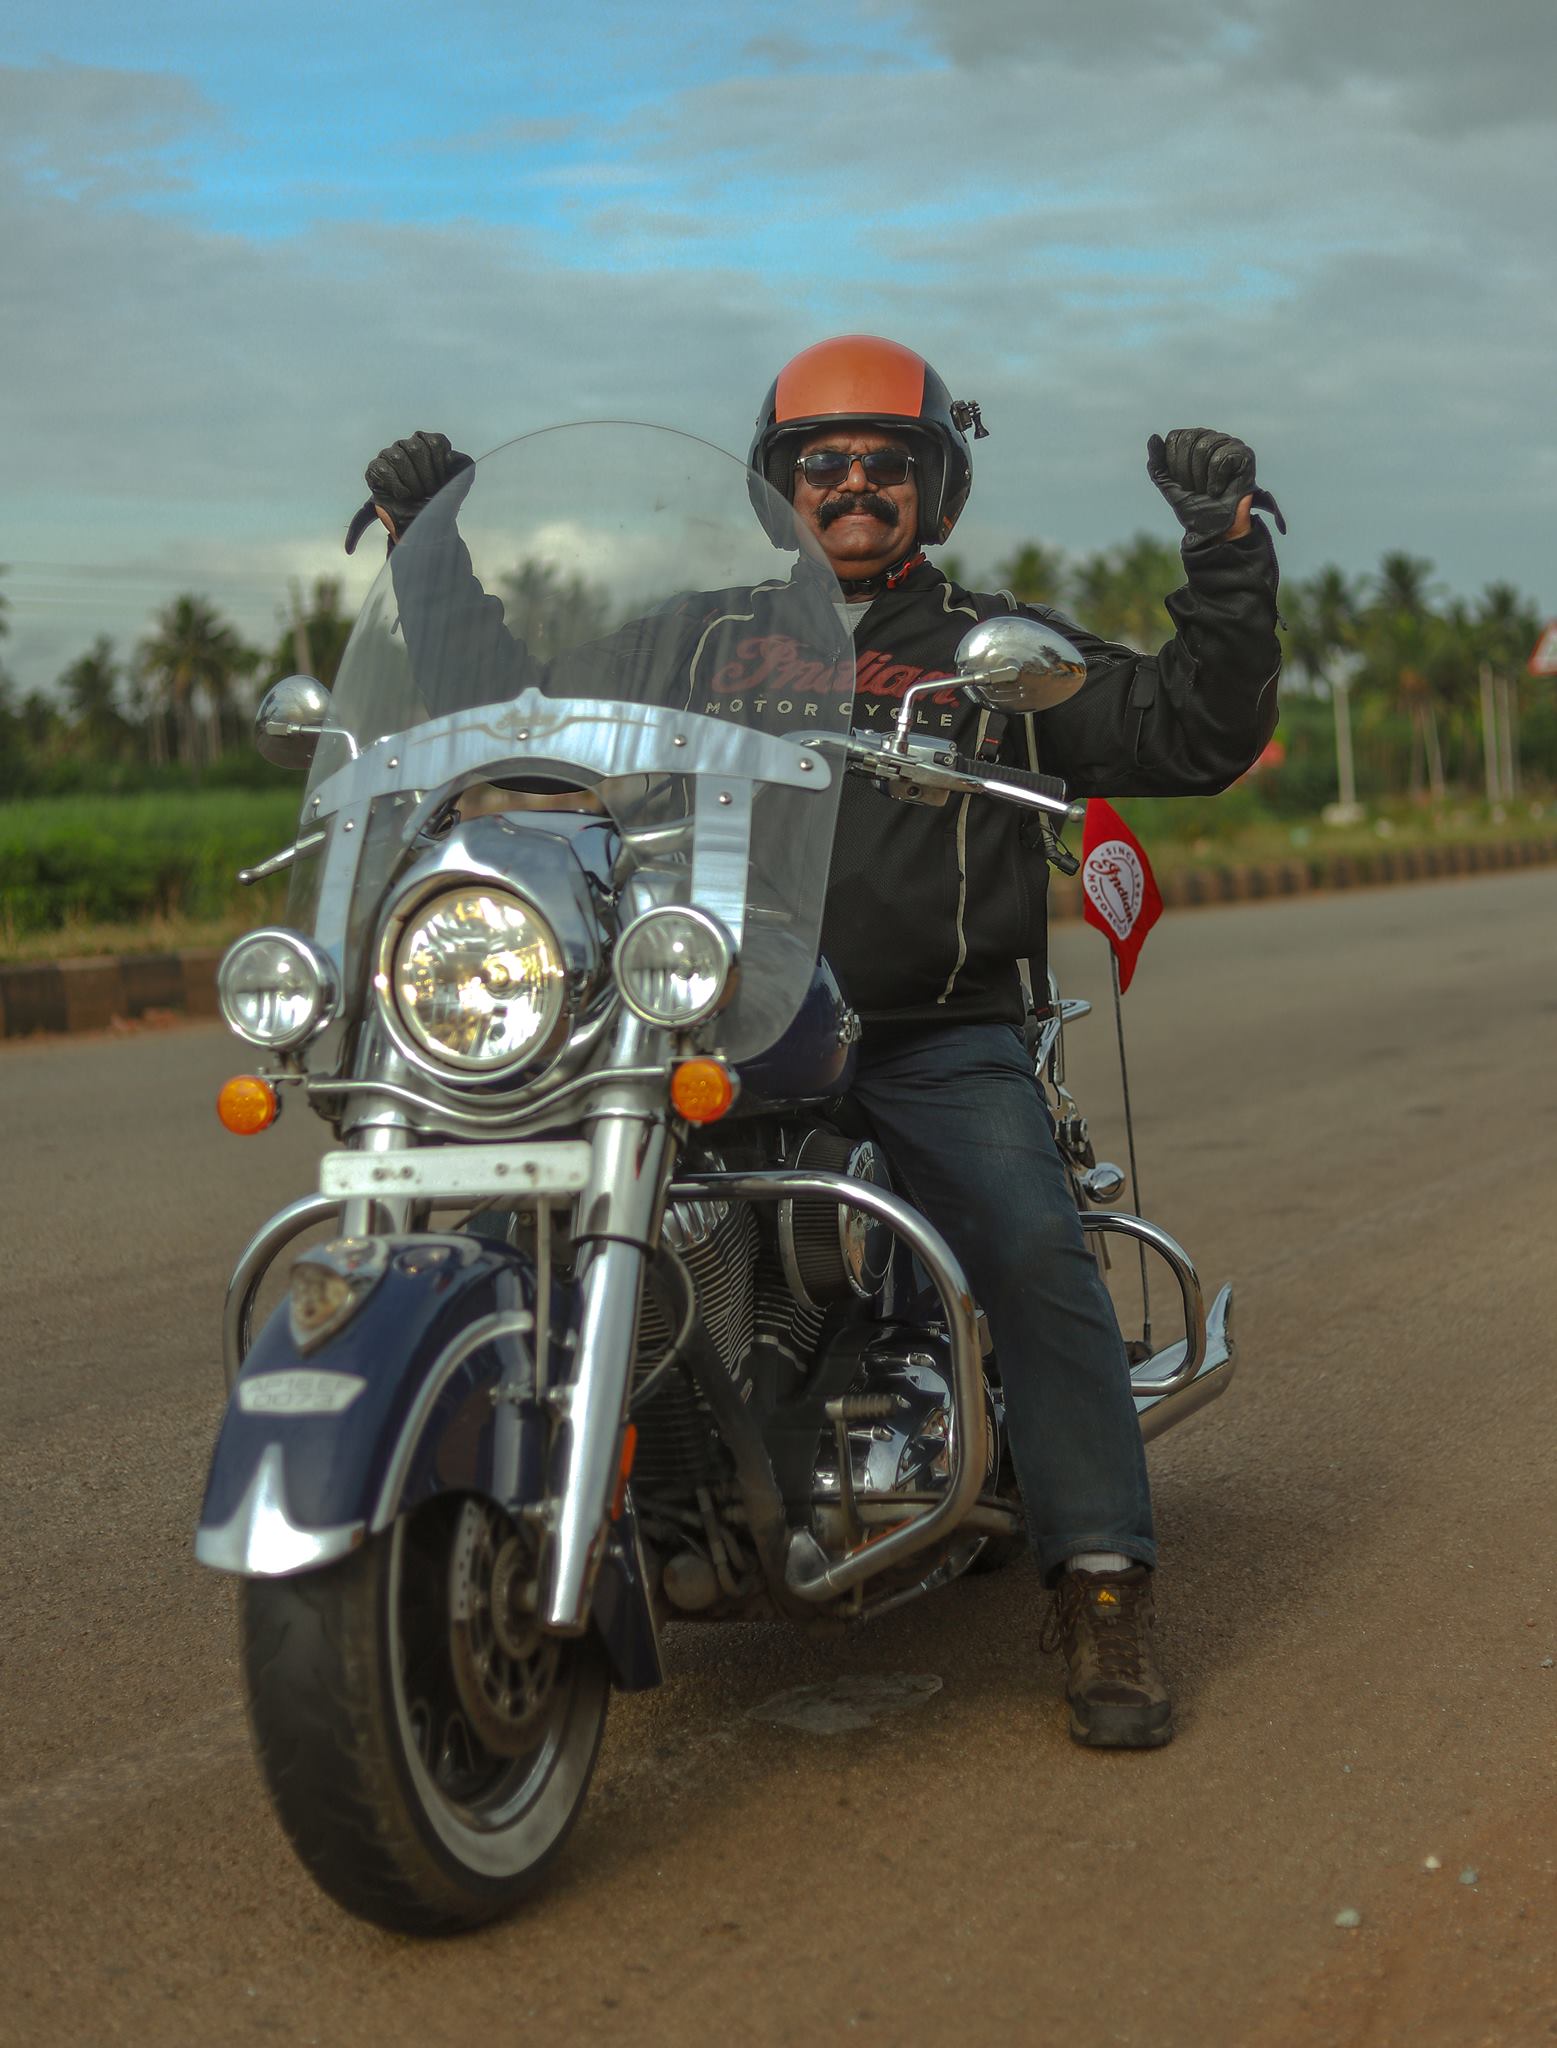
(96,995)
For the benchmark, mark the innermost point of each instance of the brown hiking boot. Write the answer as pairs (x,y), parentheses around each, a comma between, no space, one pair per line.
(1104,1621)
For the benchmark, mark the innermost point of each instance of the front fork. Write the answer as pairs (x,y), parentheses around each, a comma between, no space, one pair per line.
(618,1226)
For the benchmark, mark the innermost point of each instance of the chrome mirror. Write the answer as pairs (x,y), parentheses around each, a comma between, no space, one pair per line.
(292,715)
(1017,665)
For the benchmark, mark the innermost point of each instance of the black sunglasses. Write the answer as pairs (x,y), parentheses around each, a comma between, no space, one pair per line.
(825,467)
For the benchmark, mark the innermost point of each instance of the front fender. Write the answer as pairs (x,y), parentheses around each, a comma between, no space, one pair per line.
(430,1387)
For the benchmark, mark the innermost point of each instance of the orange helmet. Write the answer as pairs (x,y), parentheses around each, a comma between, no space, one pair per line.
(881,384)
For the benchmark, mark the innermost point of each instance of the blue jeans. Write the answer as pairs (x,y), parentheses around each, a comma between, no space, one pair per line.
(970,1142)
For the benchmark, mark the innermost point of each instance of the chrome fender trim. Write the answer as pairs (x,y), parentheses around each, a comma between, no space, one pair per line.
(513,1323)
(261,1541)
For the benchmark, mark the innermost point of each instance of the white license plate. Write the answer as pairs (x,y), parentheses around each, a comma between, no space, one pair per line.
(557,1167)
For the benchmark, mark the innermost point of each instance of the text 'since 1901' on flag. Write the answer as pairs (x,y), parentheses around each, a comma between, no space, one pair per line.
(1120,893)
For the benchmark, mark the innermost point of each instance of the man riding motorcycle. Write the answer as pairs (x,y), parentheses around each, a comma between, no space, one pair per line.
(930,910)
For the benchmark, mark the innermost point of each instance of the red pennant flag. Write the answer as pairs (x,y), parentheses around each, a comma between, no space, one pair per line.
(1120,893)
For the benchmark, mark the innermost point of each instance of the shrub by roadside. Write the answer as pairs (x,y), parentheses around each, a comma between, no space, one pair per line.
(121,860)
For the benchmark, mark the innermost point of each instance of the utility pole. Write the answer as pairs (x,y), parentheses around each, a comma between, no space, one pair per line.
(1345,810)
(1346,774)
(1510,738)
(1489,736)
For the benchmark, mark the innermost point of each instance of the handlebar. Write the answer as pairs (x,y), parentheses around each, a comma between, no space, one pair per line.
(926,772)
(998,778)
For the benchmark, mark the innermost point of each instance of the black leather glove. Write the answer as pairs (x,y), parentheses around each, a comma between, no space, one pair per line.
(1203,474)
(403,478)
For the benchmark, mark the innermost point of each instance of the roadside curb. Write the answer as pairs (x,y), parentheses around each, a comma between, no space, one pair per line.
(52,996)
(97,994)
(1194,888)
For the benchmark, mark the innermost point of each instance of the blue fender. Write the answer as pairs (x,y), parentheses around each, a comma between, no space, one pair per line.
(429,1386)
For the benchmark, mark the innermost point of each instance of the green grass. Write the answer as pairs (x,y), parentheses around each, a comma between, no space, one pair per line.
(155,872)
(1232,831)
(77,866)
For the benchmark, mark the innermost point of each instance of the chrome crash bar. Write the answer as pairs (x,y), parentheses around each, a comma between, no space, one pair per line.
(1157,1409)
(806,1574)
(1182,1267)
(258,1255)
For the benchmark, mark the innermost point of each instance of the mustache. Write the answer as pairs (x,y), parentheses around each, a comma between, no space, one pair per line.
(870,502)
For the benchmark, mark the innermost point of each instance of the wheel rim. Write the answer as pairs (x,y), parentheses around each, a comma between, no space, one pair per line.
(482,1772)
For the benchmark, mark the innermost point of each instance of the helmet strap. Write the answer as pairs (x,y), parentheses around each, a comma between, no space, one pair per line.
(887,579)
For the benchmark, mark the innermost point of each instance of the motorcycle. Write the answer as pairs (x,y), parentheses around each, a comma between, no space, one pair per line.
(620,1321)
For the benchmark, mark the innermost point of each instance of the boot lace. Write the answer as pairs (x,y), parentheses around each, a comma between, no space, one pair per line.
(1115,1628)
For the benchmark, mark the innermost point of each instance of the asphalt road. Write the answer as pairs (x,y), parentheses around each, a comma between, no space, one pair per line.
(1345,1104)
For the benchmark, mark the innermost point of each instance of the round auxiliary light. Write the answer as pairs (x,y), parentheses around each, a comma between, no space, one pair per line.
(476,979)
(275,988)
(675,966)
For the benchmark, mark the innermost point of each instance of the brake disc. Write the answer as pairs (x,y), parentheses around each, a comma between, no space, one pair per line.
(504,1668)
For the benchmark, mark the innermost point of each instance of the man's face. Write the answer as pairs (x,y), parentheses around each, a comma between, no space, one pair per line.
(862,527)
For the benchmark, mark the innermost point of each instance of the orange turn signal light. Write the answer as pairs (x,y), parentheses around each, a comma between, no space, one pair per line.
(247,1104)
(702,1090)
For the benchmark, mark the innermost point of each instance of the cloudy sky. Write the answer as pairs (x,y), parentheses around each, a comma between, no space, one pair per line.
(243,247)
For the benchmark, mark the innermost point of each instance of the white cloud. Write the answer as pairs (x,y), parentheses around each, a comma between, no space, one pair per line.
(1097,236)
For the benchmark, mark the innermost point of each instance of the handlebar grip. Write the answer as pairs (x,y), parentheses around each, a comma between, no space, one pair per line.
(1051,786)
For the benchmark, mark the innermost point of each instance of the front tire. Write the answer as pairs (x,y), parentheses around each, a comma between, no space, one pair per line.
(406,1793)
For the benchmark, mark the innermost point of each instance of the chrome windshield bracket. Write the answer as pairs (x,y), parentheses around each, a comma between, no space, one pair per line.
(721,850)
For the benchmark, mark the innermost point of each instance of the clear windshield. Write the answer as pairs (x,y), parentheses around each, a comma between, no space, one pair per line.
(600,607)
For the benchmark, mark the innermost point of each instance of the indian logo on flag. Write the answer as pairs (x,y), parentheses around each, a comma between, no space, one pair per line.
(1122,898)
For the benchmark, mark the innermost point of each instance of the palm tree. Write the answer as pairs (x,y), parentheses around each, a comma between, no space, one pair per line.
(1119,591)
(1035,573)
(91,689)
(551,611)
(314,638)
(1321,641)
(1399,642)
(1505,626)
(190,663)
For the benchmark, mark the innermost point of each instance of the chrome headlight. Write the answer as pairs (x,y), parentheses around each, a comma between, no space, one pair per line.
(474,977)
(276,988)
(675,966)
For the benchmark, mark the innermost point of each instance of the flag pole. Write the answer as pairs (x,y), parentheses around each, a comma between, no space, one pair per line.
(1135,1182)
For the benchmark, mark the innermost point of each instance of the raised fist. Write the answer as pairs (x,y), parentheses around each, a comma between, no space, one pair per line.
(1205,476)
(403,478)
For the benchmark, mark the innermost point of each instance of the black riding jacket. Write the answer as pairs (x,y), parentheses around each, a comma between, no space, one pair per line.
(928,908)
